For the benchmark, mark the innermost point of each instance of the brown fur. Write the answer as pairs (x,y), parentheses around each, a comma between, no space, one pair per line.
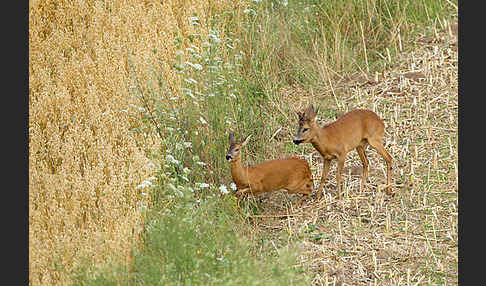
(292,174)
(354,130)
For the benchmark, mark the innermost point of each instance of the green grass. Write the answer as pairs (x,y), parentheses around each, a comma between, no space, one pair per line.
(197,243)
(205,249)
(311,42)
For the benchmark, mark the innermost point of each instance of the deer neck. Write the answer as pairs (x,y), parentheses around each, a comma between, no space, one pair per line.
(239,174)
(319,138)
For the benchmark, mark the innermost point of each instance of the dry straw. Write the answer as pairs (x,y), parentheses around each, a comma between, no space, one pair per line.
(84,164)
(369,238)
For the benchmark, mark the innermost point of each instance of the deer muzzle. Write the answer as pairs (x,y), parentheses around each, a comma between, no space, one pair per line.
(297,141)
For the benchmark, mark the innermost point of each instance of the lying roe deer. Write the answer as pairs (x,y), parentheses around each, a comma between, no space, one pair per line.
(292,174)
(353,130)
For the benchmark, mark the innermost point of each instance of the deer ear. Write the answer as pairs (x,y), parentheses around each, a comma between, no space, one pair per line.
(231,138)
(247,139)
(309,112)
(299,114)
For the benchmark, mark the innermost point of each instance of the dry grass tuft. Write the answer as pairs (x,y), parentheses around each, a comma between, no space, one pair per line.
(370,238)
(84,160)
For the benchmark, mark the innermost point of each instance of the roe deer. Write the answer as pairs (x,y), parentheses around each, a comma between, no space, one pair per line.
(353,130)
(292,174)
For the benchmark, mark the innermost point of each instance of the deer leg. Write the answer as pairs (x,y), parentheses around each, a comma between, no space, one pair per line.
(306,190)
(362,155)
(241,192)
(305,196)
(325,171)
(340,166)
(378,146)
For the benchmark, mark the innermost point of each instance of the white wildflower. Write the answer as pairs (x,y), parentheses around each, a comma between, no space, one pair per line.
(144,184)
(147,183)
(170,185)
(233,186)
(187,144)
(223,189)
(194,66)
(141,109)
(203,185)
(190,80)
(201,163)
(215,38)
(171,159)
(250,11)
(203,121)
(151,165)
(197,66)
(194,21)
(179,193)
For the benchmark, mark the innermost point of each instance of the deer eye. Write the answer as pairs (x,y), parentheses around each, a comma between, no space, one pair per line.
(236,150)
(305,129)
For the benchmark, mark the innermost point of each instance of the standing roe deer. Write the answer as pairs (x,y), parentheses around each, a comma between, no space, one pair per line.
(353,130)
(292,174)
